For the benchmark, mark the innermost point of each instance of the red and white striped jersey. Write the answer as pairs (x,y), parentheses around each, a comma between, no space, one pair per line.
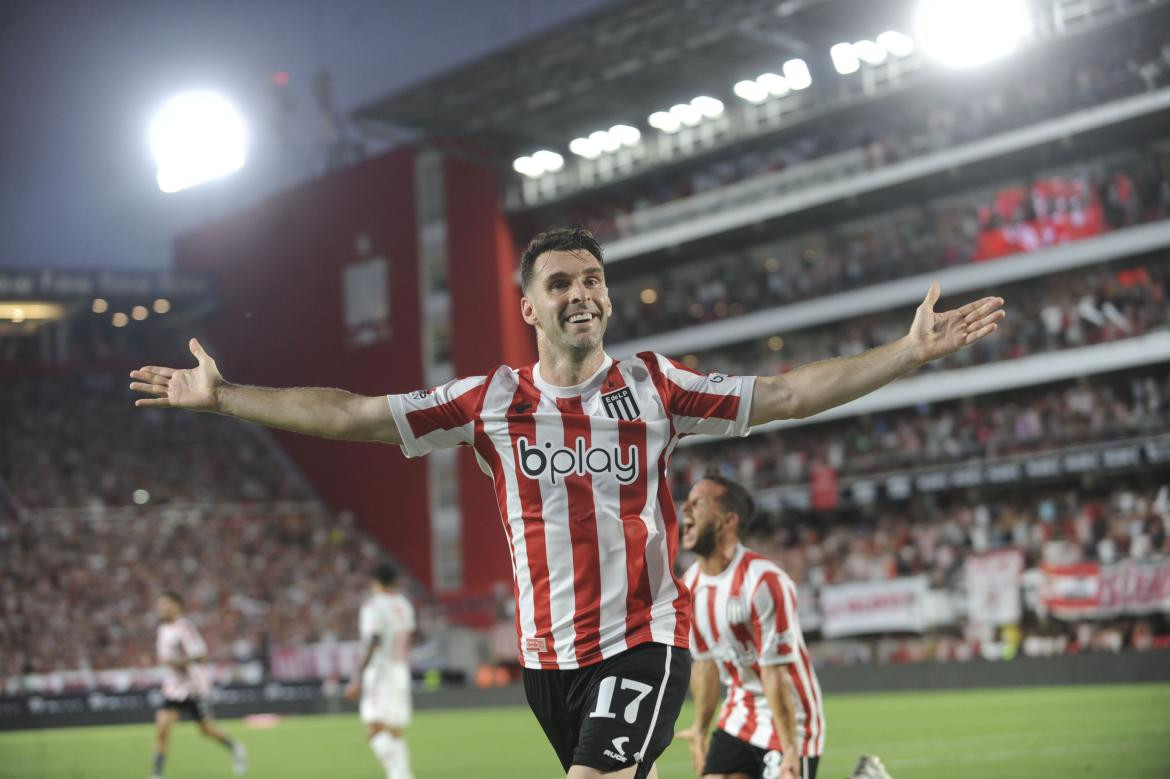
(179,640)
(745,618)
(390,617)
(581,483)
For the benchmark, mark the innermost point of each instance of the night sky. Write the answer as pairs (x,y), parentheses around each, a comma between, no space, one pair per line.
(80,81)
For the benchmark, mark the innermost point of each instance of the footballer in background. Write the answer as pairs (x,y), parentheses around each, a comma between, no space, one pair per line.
(185,688)
(383,680)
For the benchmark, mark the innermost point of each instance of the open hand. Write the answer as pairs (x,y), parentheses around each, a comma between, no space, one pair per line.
(191,388)
(936,335)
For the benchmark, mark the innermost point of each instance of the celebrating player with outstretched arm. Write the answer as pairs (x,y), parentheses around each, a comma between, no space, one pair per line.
(577,447)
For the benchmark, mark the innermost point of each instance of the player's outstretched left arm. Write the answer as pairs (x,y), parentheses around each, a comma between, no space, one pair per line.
(818,386)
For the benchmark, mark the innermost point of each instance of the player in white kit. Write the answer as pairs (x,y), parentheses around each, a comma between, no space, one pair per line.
(383,681)
(745,634)
(577,447)
(185,686)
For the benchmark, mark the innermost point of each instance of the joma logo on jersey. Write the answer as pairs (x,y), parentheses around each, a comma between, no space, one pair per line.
(562,461)
(621,405)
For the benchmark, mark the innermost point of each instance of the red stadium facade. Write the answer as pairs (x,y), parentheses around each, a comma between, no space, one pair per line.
(282,321)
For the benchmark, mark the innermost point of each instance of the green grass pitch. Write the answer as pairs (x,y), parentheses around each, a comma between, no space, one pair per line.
(1103,731)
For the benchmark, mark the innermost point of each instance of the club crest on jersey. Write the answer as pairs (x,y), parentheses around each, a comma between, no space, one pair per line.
(561,461)
(620,404)
(737,612)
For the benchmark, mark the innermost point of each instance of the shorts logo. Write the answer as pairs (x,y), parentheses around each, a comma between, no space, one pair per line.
(620,404)
(562,461)
(619,744)
(535,645)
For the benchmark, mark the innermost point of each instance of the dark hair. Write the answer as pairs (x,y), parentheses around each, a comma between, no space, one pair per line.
(385,574)
(562,239)
(734,499)
(172,595)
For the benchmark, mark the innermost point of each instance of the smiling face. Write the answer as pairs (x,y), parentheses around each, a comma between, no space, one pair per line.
(705,519)
(567,302)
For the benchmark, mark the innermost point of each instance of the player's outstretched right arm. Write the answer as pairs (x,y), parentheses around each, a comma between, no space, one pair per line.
(319,411)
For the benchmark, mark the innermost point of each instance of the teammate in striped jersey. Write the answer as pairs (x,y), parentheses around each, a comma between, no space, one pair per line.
(577,447)
(185,687)
(746,635)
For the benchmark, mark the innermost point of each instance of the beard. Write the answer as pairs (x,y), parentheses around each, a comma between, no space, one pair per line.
(704,545)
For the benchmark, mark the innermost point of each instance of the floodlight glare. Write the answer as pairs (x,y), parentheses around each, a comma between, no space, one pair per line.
(583,147)
(604,141)
(869,52)
(687,114)
(775,84)
(550,161)
(196,137)
(896,43)
(528,167)
(708,106)
(966,33)
(750,91)
(844,58)
(625,134)
(796,72)
(664,121)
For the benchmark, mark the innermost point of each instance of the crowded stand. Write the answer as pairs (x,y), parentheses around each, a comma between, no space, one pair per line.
(1064,311)
(58,431)
(79,589)
(1048,209)
(935,121)
(1025,420)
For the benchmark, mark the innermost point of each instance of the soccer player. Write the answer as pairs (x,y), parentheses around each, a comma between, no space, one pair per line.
(577,447)
(745,634)
(185,686)
(383,680)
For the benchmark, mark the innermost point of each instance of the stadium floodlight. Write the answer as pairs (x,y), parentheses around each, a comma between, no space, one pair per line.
(709,107)
(528,167)
(583,147)
(896,43)
(605,141)
(967,33)
(750,91)
(549,161)
(664,121)
(625,134)
(796,72)
(687,114)
(844,58)
(774,83)
(196,137)
(870,52)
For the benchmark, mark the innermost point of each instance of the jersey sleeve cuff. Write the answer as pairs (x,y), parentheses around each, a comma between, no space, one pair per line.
(410,445)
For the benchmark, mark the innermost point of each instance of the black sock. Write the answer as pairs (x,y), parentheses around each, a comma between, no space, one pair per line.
(159,759)
(228,743)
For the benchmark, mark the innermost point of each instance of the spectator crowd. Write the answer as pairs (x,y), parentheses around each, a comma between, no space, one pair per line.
(976,226)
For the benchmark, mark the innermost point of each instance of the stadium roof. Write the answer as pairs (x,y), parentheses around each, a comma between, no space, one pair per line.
(620,64)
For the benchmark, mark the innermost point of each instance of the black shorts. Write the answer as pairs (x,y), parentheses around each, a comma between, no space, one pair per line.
(198,709)
(727,754)
(615,713)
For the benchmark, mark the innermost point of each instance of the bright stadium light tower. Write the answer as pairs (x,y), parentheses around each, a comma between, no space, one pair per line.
(196,137)
(966,33)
